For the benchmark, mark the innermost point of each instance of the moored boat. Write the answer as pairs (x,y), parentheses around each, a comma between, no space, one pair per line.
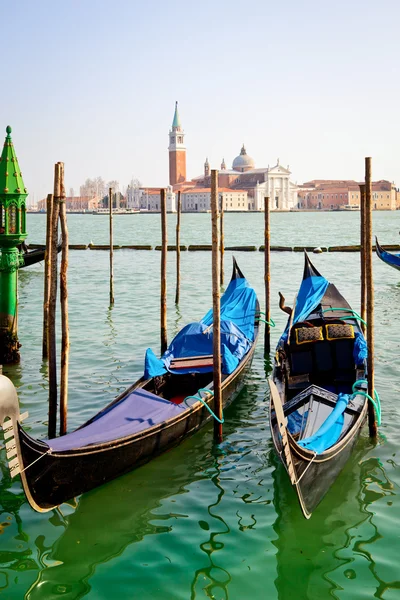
(172,400)
(390,259)
(31,257)
(318,400)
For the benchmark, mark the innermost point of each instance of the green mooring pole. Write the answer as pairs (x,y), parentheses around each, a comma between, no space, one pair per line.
(12,233)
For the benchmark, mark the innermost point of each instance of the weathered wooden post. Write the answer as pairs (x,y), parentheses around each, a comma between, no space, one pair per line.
(12,233)
(267,278)
(363,256)
(216,280)
(164,249)
(221,217)
(178,249)
(52,348)
(64,308)
(110,204)
(47,275)
(370,295)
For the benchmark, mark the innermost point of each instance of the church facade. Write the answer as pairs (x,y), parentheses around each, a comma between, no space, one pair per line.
(243,187)
(242,178)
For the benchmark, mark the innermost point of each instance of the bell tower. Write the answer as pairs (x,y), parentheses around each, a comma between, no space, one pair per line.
(177,151)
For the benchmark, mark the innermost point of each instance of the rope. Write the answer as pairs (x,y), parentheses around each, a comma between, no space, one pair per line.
(271,322)
(198,397)
(375,403)
(306,469)
(36,460)
(350,310)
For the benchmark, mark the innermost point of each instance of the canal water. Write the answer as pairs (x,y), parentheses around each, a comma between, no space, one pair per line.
(201,521)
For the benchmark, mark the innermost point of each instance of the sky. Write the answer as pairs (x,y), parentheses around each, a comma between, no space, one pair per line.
(94,84)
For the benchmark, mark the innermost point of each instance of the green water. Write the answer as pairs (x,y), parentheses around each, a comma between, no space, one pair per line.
(201,521)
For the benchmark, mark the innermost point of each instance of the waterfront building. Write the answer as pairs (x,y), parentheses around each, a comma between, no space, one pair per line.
(149,199)
(258,183)
(330,194)
(198,199)
(242,177)
(74,204)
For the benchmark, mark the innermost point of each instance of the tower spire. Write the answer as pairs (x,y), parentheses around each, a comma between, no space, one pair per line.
(176,123)
(177,151)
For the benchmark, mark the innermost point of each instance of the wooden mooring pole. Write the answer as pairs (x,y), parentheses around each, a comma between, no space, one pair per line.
(52,348)
(370,295)
(178,249)
(47,276)
(216,280)
(221,218)
(164,248)
(64,308)
(267,277)
(363,257)
(110,204)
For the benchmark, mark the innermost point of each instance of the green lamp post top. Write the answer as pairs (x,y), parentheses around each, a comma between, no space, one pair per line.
(11,182)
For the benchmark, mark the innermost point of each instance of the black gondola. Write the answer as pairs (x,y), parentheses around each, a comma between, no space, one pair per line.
(155,413)
(32,257)
(318,403)
(390,259)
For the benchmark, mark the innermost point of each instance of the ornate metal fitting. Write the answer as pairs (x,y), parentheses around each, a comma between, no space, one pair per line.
(10,261)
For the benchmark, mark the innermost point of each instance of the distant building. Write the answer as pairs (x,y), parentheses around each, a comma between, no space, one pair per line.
(74,204)
(149,199)
(258,183)
(243,177)
(177,151)
(330,194)
(199,199)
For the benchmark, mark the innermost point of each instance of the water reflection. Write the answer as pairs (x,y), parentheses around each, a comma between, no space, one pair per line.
(211,578)
(322,556)
(177,320)
(110,338)
(111,518)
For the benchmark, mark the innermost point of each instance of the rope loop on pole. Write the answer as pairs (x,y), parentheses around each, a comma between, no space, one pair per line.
(376,403)
(199,397)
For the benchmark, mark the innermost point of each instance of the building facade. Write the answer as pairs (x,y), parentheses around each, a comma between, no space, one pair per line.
(198,199)
(258,183)
(329,194)
(149,199)
(74,204)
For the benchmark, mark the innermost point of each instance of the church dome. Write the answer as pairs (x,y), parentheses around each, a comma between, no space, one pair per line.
(243,162)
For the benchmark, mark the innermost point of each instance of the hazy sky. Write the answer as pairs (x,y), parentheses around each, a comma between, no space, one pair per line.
(93,84)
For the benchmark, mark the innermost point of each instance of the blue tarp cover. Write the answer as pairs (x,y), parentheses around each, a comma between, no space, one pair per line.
(330,430)
(138,411)
(238,305)
(310,294)
(360,350)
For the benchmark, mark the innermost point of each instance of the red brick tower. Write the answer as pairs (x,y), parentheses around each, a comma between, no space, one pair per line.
(177,151)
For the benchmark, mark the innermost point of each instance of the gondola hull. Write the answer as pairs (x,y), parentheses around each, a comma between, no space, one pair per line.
(393,260)
(52,478)
(35,256)
(319,359)
(151,416)
(314,476)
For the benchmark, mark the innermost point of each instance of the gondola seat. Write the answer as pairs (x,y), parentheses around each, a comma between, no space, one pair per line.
(321,354)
